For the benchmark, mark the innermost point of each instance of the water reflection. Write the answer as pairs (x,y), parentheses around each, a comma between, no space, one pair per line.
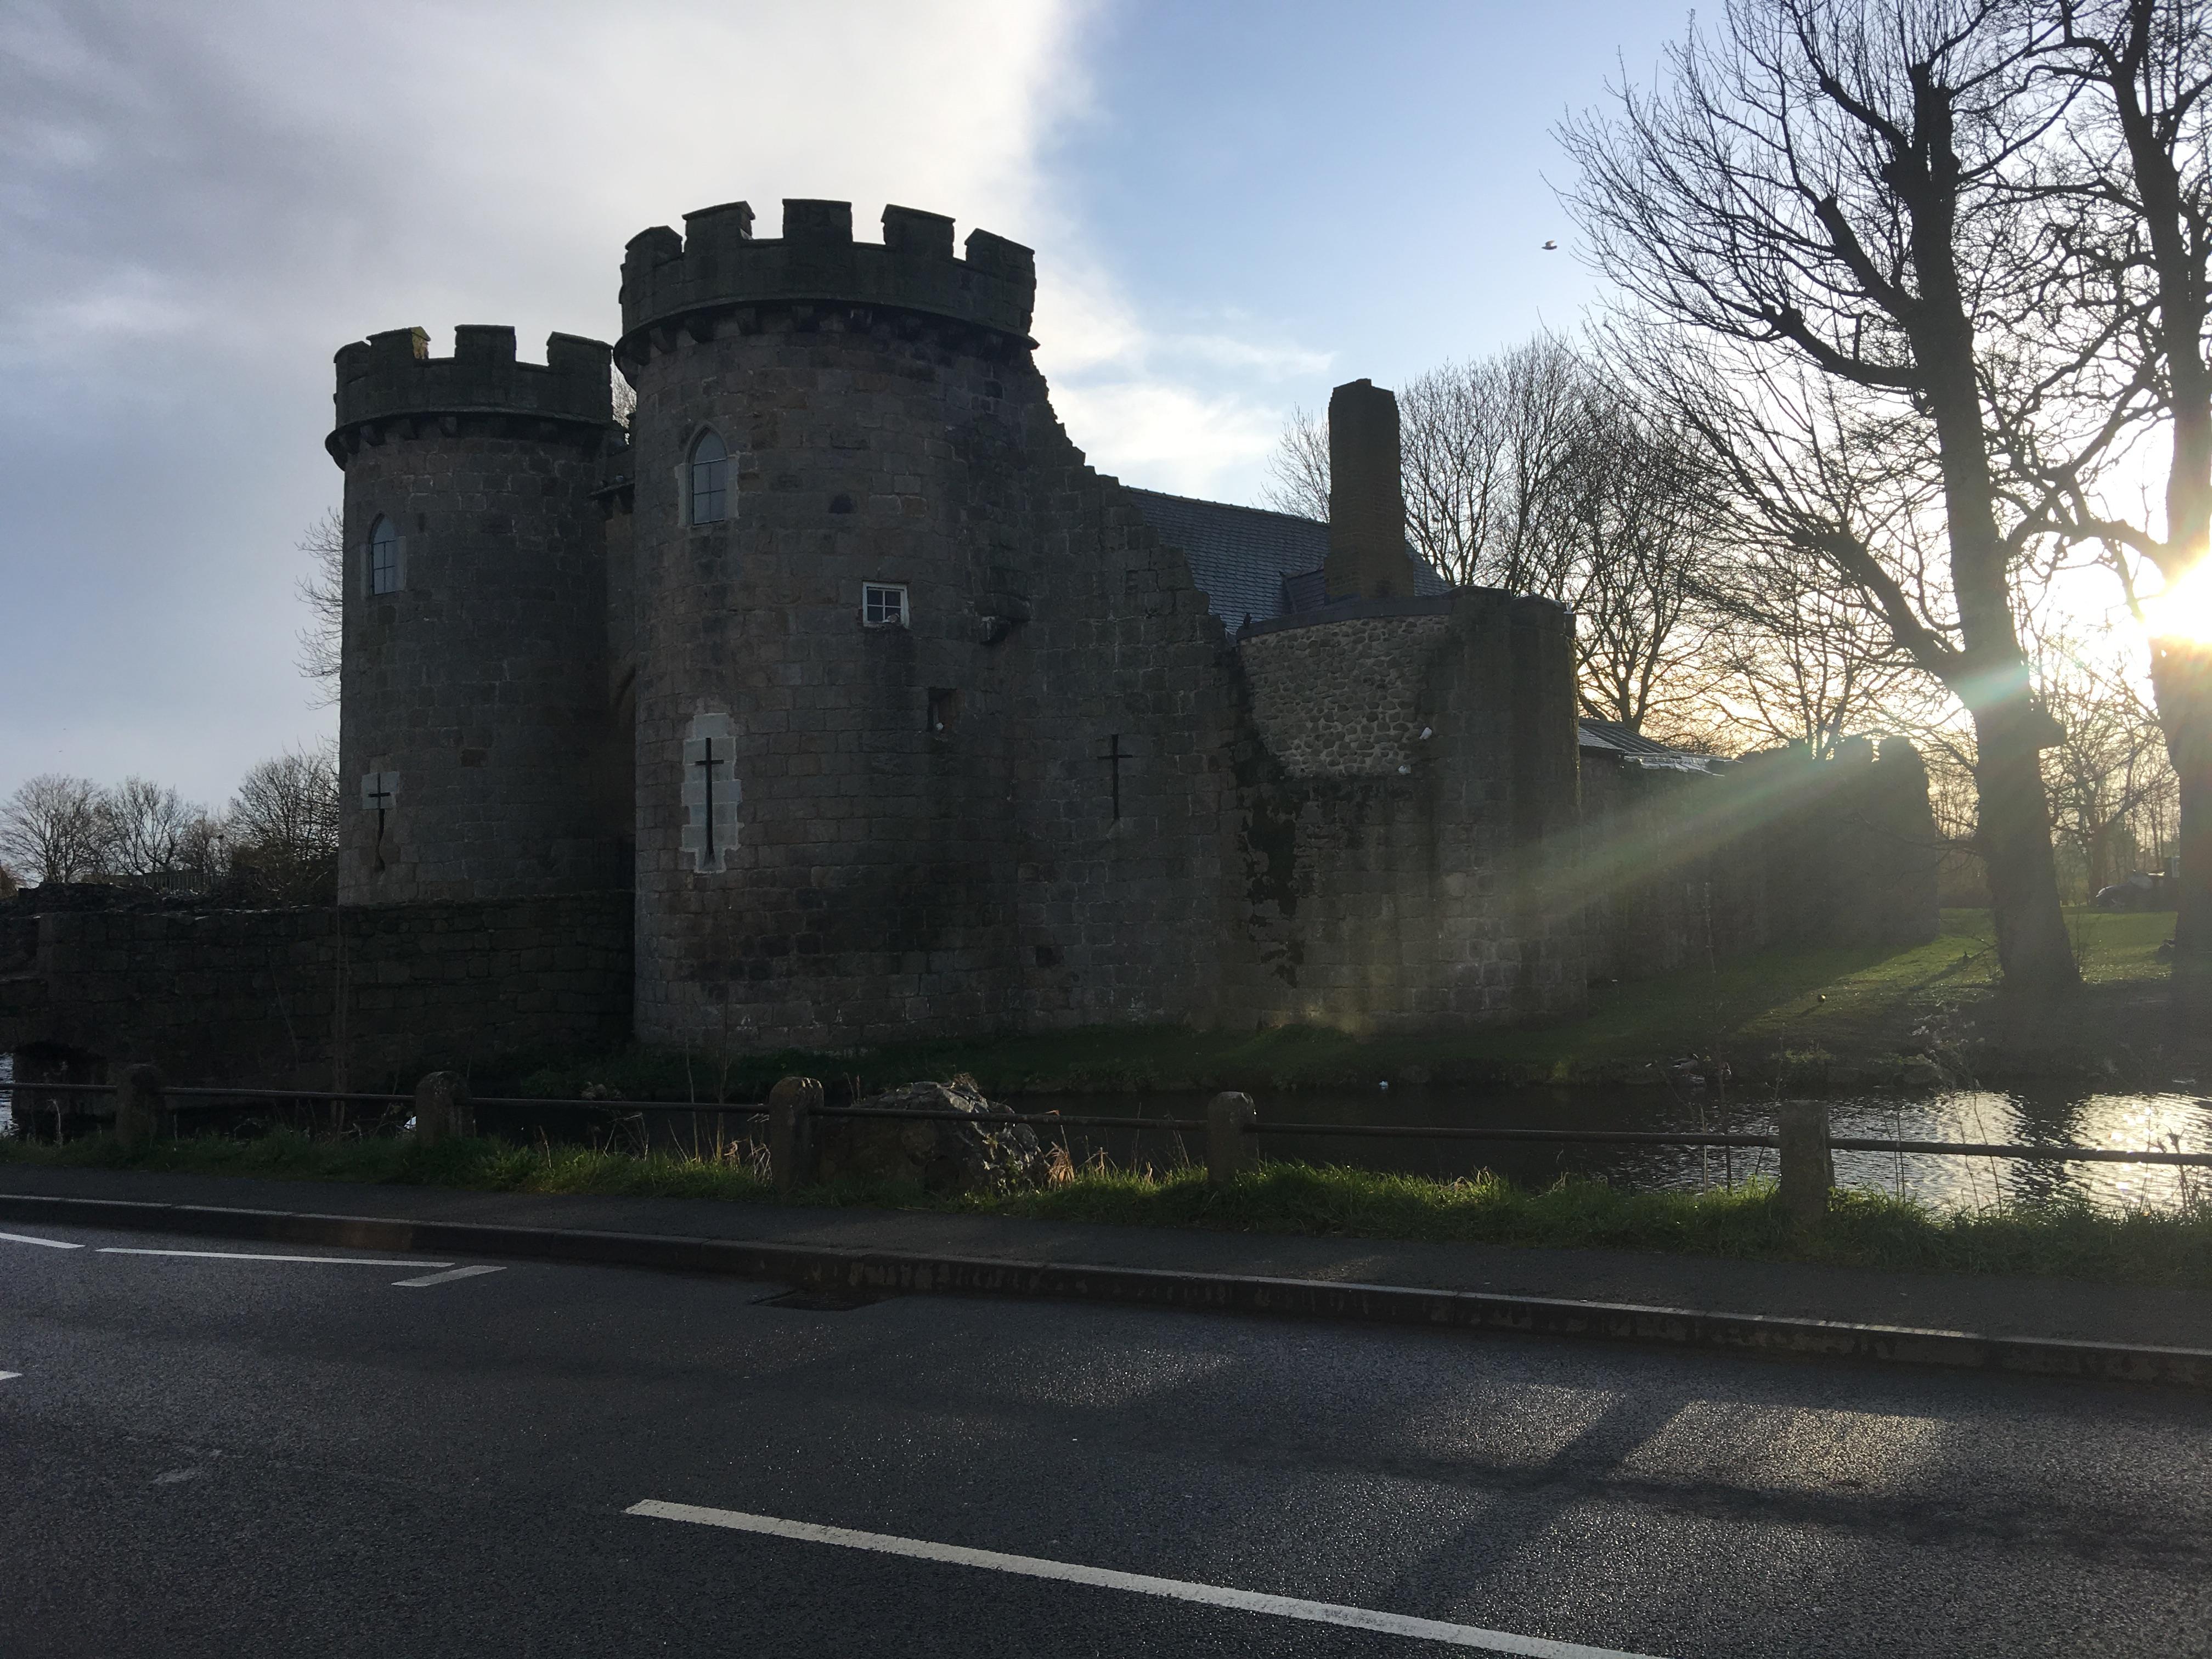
(2167,1122)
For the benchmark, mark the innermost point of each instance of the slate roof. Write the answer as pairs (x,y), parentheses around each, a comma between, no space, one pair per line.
(1243,557)
(1611,738)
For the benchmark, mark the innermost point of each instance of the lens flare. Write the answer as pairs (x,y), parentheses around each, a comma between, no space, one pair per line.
(2184,611)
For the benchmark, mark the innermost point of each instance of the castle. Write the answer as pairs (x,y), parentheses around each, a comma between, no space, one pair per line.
(897,717)
(834,700)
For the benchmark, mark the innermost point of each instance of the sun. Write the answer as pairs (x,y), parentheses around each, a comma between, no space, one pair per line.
(2184,611)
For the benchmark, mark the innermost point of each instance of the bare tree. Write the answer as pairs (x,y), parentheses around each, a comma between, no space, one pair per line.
(52,828)
(145,825)
(1794,654)
(1487,446)
(2110,778)
(284,824)
(1490,450)
(204,849)
(1823,194)
(1530,471)
(1633,527)
(1298,472)
(323,590)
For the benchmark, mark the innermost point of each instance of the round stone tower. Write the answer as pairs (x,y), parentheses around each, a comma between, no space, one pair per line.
(832,444)
(476,752)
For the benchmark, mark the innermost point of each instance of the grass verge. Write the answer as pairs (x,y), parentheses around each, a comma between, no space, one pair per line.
(2163,1247)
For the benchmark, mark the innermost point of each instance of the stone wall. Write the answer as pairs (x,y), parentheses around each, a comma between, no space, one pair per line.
(1684,870)
(368,998)
(1344,701)
(1852,850)
(1674,867)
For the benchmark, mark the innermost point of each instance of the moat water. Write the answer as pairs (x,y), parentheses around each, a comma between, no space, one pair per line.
(2180,1119)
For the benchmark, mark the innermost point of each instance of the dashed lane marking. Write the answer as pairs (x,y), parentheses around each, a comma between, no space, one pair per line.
(10,1377)
(1173,1590)
(242,1255)
(51,1244)
(447,1277)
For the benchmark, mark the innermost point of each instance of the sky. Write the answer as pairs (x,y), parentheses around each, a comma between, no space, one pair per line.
(1235,207)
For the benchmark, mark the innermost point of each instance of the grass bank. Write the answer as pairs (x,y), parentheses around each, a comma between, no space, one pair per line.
(2172,1248)
(1925,1015)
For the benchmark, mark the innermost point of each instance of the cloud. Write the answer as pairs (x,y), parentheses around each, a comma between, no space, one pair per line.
(1190,411)
(314,172)
(199,205)
(1159,434)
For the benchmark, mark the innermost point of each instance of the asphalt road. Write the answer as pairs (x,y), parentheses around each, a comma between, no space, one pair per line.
(211,1454)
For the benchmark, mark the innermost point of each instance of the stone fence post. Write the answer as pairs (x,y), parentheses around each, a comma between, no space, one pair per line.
(1229,1119)
(791,1104)
(1808,1166)
(138,1107)
(442,1109)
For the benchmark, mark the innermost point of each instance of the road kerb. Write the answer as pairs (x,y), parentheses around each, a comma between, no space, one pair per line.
(826,1267)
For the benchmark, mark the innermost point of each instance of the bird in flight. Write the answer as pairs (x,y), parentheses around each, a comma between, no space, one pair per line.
(1551,247)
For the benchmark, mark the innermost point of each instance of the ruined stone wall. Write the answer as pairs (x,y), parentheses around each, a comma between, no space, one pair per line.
(1125,723)
(1406,863)
(1674,868)
(367,998)
(1684,870)
(1848,843)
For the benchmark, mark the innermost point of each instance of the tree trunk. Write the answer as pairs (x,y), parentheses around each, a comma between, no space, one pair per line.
(2013,811)
(2181,677)
(2014,835)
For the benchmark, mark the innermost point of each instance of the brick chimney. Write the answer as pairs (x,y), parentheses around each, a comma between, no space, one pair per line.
(1367,558)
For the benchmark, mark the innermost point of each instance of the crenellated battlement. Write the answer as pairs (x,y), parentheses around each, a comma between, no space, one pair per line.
(717,265)
(391,376)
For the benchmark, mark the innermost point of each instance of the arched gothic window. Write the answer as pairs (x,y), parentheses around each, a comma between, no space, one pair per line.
(710,479)
(384,548)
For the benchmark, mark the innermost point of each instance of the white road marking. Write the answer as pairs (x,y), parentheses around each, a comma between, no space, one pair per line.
(241,1256)
(1173,1590)
(10,1377)
(443,1278)
(51,1244)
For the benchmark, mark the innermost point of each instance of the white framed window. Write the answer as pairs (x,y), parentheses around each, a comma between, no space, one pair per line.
(882,606)
(709,479)
(387,558)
